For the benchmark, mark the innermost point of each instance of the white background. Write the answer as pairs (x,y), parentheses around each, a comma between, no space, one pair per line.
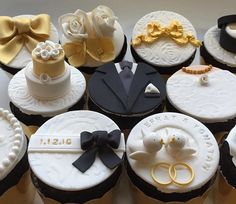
(202,14)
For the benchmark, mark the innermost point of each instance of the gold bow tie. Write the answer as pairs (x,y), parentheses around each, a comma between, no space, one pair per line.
(99,49)
(173,31)
(17,32)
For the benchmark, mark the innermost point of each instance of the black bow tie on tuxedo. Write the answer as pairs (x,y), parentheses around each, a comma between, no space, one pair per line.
(126,75)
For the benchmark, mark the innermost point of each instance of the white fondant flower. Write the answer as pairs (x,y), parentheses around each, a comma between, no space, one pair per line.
(45,54)
(103,20)
(75,26)
(47,50)
(44,78)
(55,53)
(37,51)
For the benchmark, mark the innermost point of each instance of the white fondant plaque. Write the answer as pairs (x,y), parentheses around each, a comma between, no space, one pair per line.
(61,144)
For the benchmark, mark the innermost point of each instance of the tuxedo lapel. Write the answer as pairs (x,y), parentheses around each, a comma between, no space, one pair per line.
(140,81)
(113,82)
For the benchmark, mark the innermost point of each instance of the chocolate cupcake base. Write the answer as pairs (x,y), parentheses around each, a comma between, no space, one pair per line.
(209,59)
(125,122)
(38,120)
(77,196)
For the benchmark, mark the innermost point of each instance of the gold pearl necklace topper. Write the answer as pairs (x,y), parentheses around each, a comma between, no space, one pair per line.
(174,31)
(172,170)
(203,70)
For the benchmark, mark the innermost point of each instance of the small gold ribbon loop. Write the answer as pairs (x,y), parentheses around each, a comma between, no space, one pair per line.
(174,31)
(99,49)
(15,33)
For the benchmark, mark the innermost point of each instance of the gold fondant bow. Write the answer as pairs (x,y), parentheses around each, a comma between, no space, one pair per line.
(17,32)
(175,31)
(100,49)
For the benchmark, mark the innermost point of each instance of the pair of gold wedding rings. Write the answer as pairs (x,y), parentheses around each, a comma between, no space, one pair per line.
(172,170)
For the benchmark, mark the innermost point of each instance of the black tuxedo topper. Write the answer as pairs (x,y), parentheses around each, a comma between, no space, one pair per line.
(107,91)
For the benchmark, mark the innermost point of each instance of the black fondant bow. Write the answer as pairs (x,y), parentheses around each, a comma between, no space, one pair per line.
(100,142)
(227,41)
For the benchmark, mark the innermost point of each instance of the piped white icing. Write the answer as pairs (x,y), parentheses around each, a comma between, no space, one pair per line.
(211,43)
(12,142)
(164,52)
(231,29)
(214,102)
(48,50)
(204,161)
(48,166)
(151,89)
(86,28)
(24,56)
(21,98)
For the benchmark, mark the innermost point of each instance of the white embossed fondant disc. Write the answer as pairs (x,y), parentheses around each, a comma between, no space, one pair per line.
(212,45)
(56,169)
(24,56)
(204,161)
(210,103)
(20,97)
(164,52)
(13,143)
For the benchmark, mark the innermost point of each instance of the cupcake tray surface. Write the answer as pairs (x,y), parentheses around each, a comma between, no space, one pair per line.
(202,14)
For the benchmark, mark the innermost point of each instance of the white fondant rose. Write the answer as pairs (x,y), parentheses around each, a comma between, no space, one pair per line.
(75,26)
(47,50)
(103,20)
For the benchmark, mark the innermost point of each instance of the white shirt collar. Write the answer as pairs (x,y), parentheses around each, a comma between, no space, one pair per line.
(134,67)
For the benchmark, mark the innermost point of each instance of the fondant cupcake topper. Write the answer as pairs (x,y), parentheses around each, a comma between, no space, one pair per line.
(146,148)
(178,147)
(21,32)
(172,171)
(100,142)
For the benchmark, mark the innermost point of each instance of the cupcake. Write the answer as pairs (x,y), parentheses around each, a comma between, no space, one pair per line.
(227,179)
(21,35)
(219,42)
(171,157)
(206,93)
(91,39)
(126,92)
(164,40)
(76,157)
(47,86)
(15,184)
